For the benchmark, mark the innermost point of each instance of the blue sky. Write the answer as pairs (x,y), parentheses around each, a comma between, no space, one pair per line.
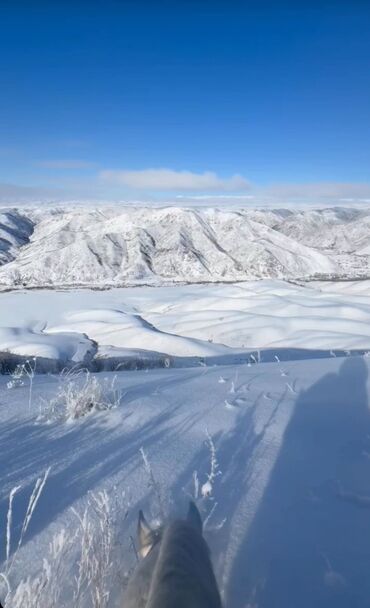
(125,99)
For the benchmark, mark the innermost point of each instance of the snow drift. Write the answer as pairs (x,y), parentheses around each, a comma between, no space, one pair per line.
(183,325)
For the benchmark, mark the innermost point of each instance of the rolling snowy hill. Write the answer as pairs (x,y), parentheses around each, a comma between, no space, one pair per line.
(183,326)
(117,246)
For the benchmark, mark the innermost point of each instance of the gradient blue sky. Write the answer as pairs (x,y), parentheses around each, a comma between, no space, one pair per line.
(94,94)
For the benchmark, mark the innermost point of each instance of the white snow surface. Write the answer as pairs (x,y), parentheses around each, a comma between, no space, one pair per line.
(30,342)
(288,510)
(121,245)
(219,322)
(287,506)
(259,411)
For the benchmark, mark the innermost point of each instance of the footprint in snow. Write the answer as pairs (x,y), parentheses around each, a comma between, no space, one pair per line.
(231,406)
(268,396)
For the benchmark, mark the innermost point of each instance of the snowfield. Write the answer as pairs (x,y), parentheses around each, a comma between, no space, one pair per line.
(121,245)
(250,398)
(286,497)
(183,326)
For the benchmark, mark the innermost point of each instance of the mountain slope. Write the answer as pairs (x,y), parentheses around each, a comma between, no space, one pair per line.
(15,231)
(127,246)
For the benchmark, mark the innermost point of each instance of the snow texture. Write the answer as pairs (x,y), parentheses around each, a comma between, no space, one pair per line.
(250,398)
(184,325)
(285,492)
(133,246)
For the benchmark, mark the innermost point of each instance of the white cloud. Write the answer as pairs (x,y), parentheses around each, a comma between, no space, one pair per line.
(167,179)
(79,188)
(312,194)
(320,191)
(14,194)
(65,164)
(213,197)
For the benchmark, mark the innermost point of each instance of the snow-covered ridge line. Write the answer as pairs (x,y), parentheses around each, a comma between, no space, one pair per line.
(119,246)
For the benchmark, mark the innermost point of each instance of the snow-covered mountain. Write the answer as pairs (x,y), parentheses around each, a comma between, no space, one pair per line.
(15,230)
(131,246)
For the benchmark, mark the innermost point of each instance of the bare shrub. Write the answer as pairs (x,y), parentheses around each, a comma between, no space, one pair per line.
(80,393)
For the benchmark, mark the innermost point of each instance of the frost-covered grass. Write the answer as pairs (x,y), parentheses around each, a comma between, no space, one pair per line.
(78,566)
(82,560)
(79,394)
(12,555)
(90,544)
(24,373)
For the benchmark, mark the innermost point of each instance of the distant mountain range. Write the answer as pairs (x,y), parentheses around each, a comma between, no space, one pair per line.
(117,246)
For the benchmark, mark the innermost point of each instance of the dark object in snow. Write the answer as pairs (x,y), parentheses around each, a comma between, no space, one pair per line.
(176,569)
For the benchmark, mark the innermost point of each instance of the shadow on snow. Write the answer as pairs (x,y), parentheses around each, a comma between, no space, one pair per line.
(308,544)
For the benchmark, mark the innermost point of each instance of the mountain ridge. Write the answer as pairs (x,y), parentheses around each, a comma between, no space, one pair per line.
(117,246)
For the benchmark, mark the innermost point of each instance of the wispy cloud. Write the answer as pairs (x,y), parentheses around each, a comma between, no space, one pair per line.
(14,194)
(65,164)
(319,191)
(223,197)
(230,192)
(167,179)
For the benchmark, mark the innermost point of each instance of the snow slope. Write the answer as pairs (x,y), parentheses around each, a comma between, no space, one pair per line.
(15,232)
(287,514)
(286,503)
(183,325)
(62,346)
(115,246)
